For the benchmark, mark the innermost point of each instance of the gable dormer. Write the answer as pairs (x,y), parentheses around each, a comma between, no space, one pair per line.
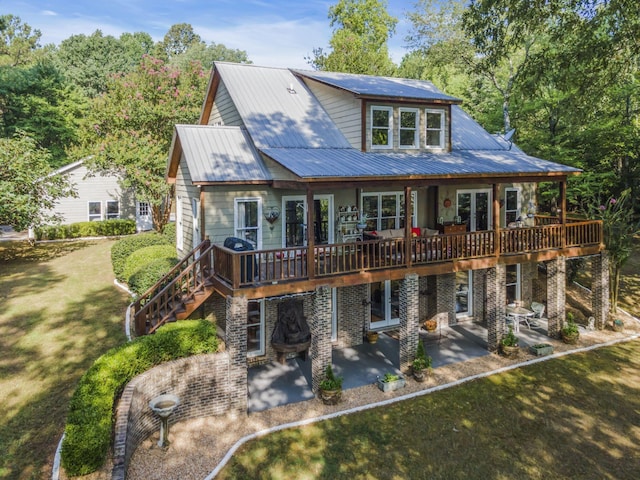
(385,114)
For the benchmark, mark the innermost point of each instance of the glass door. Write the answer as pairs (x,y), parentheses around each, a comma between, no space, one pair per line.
(385,304)
(474,209)
(464,299)
(294,227)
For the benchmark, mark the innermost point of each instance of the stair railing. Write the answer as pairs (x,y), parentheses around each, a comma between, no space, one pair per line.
(162,301)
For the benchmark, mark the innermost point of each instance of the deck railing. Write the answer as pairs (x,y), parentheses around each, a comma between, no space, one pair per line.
(263,267)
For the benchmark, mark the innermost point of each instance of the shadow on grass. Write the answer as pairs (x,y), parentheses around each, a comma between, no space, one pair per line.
(45,349)
(574,417)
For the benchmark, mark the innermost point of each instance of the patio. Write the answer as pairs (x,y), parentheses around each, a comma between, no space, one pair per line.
(274,384)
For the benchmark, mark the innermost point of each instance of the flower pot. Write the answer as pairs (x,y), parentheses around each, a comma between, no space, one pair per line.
(420,375)
(331,397)
(392,385)
(372,337)
(431,325)
(509,352)
(570,338)
(541,349)
(617,326)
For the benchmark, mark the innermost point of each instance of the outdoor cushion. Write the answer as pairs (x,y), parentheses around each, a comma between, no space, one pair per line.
(428,232)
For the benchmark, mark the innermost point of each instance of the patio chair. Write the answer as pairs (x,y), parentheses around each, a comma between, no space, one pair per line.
(538,309)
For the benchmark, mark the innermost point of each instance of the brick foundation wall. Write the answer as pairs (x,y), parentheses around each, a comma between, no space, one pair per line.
(432,295)
(237,348)
(556,295)
(445,299)
(352,315)
(600,303)
(201,383)
(479,279)
(495,305)
(528,272)
(320,325)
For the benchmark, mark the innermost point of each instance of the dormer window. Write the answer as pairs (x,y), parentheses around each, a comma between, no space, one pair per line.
(434,128)
(409,132)
(381,127)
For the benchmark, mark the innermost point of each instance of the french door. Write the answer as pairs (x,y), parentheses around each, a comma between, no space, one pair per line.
(474,209)
(294,226)
(385,304)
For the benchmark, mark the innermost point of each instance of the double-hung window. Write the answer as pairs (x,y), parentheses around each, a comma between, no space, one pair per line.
(385,210)
(113,209)
(247,220)
(95,211)
(409,134)
(511,205)
(381,127)
(434,128)
(255,328)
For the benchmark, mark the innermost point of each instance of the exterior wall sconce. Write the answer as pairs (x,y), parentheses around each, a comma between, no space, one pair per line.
(271,214)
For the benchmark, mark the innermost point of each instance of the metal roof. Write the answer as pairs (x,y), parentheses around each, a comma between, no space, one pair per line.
(351,163)
(278,109)
(370,86)
(220,154)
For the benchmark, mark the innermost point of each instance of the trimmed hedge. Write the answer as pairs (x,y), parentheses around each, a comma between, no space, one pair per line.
(124,247)
(89,424)
(103,228)
(146,276)
(142,257)
(170,232)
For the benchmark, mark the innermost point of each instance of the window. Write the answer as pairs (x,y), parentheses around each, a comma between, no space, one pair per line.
(511,205)
(255,328)
(408,128)
(513,283)
(386,210)
(95,211)
(247,220)
(113,209)
(434,128)
(381,127)
(143,209)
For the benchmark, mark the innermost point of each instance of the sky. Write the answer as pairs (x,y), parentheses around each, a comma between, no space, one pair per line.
(276,33)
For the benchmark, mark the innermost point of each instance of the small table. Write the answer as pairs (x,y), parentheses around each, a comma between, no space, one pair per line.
(519,314)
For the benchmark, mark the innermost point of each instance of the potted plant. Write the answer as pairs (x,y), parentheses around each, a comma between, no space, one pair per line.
(509,345)
(330,387)
(372,337)
(570,333)
(617,325)
(421,364)
(540,349)
(390,382)
(362,223)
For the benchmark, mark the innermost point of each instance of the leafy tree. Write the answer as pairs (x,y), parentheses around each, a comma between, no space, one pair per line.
(130,129)
(17,41)
(38,101)
(89,60)
(177,41)
(28,191)
(359,41)
(207,54)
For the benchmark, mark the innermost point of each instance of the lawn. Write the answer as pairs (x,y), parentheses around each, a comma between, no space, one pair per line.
(60,311)
(575,417)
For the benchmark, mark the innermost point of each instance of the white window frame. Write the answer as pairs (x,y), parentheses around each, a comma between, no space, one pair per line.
(110,216)
(238,228)
(260,351)
(518,208)
(92,216)
(389,127)
(441,129)
(179,224)
(517,284)
(399,200)
(415,128)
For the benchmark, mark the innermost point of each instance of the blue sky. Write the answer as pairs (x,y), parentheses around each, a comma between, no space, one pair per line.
(277,33)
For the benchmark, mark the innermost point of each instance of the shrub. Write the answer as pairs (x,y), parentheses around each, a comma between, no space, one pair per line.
(89,422)
(170,232)
(144,256)
(146,276)
(105,228)
(126,246)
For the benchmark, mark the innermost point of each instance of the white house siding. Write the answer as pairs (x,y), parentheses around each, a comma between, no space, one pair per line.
(98,188)
(223,111)
(343,108)
(185,193)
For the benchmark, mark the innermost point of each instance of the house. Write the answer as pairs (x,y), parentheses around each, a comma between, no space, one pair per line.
(99,197)
(356,203)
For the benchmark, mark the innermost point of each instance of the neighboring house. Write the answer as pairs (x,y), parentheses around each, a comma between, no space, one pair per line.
(100,197)
(278,150)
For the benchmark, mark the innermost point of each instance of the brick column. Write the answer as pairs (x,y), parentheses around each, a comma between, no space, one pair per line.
(432,295)
(556,295)
(600,289)
(320,326)
(409,309)
(479,278)
(496,299)
(236,313)
(445,299)
(528,272)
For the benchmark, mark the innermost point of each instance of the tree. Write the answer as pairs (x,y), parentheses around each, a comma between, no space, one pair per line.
(359,40)
(28,190)
(131,126)
(17,41)
(207,54)
(177,41)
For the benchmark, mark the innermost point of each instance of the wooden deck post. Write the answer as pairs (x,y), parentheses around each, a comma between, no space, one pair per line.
(563,213)
(311,236)
(407,225)
(496,219)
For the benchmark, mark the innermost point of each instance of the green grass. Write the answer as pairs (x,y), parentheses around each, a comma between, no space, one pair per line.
(60,311)
(574,417)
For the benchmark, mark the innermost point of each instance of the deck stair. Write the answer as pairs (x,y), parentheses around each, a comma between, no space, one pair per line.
(178,294)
